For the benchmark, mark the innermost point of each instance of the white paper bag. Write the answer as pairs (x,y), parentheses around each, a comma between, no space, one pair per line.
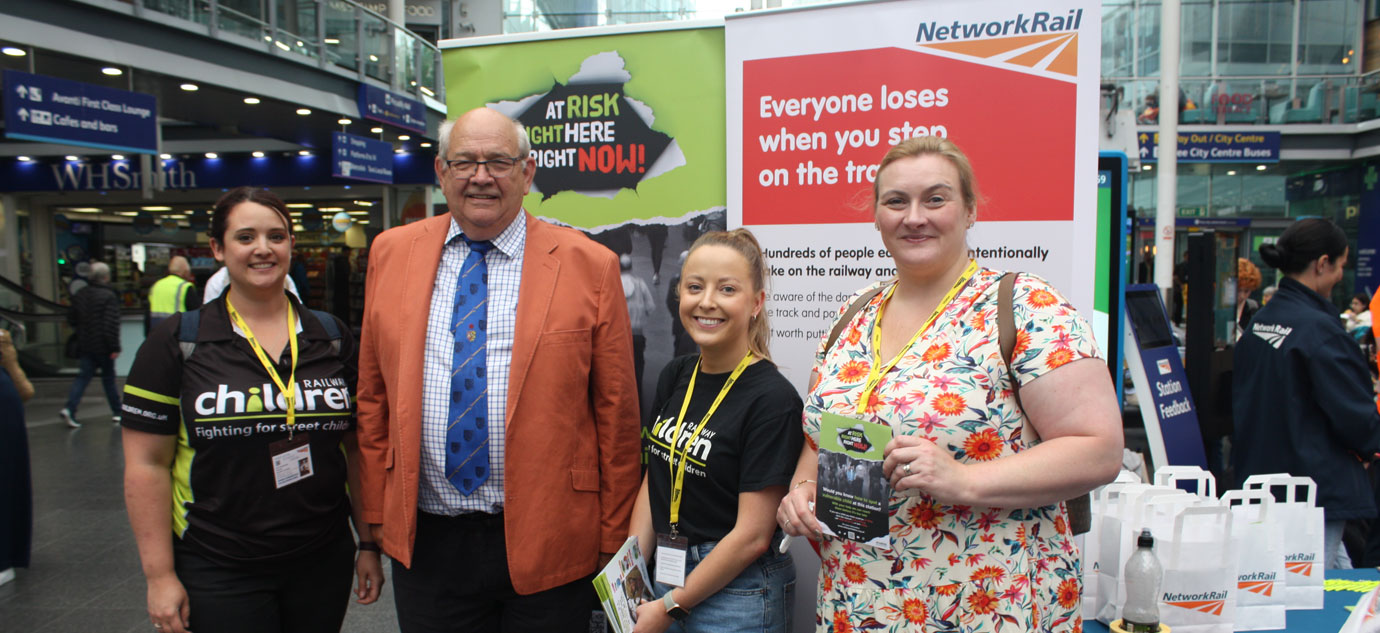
(1089,541)
(1259,538)
(1303,538)
(1153,508)
(1365,618)
(1199,590)
(1170,476)
(1110,511)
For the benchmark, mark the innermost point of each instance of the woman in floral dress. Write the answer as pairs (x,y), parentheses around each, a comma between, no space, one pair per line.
(980,538)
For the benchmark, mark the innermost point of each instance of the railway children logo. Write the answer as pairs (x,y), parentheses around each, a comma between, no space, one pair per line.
(317,394)
(1041,40)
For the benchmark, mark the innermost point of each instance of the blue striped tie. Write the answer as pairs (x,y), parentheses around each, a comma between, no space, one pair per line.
(467,436)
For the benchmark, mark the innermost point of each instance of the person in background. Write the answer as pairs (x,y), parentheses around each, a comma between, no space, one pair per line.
(1150,113)
(234,534)
(216,285)
(498,412)
(1357,317)
(16,486)
(1247,281)
(95,314)
(1302,398)
(681,340)
(1267,294)
(978,529)
(174,293)
(741,416)
(640,305)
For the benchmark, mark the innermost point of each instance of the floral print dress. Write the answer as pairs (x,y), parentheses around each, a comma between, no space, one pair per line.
(954,568)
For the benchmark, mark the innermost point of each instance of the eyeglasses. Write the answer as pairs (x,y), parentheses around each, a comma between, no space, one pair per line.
(498,167)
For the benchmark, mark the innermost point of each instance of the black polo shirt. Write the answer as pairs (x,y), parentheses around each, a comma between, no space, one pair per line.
(226,411)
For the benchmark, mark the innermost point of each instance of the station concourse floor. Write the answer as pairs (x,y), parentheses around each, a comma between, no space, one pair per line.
(84,576)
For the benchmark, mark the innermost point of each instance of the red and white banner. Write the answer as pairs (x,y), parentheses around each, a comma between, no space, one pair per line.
(817,95)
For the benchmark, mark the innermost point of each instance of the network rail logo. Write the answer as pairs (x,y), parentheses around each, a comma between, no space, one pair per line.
(1210,602)
(1041,40)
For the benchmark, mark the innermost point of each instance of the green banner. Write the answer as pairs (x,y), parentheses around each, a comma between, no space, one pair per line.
(624,127)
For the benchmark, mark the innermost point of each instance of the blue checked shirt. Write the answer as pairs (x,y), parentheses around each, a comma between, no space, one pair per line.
(436,495)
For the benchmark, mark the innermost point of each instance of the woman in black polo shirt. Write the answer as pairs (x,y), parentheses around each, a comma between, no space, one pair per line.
(235,477)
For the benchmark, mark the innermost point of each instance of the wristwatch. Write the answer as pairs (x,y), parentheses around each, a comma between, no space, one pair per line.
(674,610)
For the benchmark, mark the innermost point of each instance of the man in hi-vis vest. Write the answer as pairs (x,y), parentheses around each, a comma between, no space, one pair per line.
(173,293)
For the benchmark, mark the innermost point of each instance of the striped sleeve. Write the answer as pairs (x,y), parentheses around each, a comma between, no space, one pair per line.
(151,399)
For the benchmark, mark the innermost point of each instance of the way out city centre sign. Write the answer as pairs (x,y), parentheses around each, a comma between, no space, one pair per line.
(1216,147)
(52,110)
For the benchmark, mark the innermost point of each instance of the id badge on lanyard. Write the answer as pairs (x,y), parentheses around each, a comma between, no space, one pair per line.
(291,460)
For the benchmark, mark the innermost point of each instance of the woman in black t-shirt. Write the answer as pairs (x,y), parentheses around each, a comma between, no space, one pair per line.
(235,417)
(722,430)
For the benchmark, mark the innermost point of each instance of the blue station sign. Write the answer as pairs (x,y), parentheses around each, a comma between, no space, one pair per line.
(381,105)
(52,110)
(195,172)
(1216,147)
(361,158)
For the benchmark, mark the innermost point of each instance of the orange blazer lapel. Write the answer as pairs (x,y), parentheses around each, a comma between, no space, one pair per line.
(539,273)
(414,306)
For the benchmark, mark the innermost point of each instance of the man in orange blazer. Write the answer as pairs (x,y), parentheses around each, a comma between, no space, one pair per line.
(499,474)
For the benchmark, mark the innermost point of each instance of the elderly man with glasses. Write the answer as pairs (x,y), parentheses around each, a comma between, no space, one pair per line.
(498,415)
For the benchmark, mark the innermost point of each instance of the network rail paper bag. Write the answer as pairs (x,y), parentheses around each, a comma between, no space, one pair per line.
(1154,509)
(1303,540)
(1089,540)
(1198,594)
(1259,537)
(1205,485)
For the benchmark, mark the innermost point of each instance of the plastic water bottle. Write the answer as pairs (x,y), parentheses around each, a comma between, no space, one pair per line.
(1143,575)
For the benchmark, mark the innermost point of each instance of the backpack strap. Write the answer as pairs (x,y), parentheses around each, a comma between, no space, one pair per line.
(327,320)
(187,330)
(191,321)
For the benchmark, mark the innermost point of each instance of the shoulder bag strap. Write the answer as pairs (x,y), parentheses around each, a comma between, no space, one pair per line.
(848,315)
(1080,507)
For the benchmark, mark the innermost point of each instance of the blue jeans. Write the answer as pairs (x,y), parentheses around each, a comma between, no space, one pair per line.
(759,600)
(89,364)
(1334,552)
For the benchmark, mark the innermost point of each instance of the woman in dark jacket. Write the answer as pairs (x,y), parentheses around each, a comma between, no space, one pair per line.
(1301,394)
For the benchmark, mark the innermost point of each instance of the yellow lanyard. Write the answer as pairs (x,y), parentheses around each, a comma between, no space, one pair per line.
(289,391)
(678,475)
(876,371)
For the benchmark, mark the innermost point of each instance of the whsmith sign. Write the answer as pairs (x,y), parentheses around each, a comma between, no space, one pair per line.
(197,173)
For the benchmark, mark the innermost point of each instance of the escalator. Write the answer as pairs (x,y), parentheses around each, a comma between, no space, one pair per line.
(39,329)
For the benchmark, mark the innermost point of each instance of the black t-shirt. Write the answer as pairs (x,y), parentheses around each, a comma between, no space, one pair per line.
(226,411)
(752,442)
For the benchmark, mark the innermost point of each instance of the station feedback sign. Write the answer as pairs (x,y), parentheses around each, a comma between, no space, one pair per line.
(52,110)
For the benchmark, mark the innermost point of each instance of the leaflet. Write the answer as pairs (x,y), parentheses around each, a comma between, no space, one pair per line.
(622,585)
(853,492)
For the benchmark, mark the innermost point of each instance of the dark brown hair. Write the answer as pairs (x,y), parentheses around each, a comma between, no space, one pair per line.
(220,215)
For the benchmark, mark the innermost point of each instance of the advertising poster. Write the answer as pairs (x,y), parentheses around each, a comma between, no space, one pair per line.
(817,95)
(627,128)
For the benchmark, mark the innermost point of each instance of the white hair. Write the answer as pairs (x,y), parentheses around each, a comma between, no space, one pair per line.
(520,130)
(100,271)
